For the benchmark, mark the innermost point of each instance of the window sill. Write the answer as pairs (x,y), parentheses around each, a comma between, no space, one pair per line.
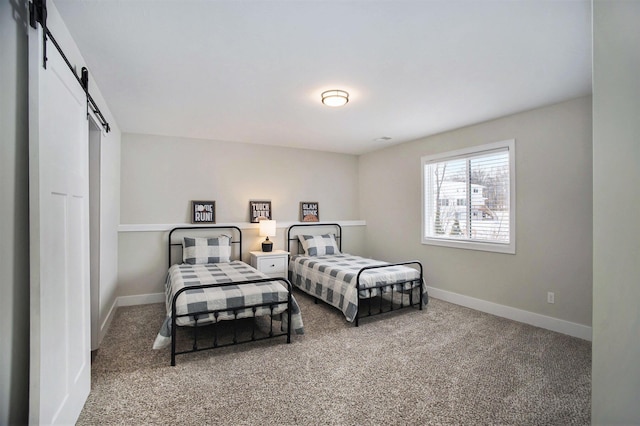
(472,245)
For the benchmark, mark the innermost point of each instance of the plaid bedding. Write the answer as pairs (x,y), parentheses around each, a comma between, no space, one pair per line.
(333,279)
(228,296)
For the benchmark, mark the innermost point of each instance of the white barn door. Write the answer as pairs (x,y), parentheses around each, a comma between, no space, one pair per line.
(60,358)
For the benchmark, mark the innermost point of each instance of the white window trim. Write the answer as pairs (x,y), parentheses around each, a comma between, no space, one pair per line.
(509,248)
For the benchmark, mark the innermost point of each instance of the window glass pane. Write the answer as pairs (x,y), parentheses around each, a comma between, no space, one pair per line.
(449,186)
(490,204)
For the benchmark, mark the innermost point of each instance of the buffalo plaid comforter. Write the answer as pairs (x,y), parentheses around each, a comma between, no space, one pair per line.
(225,297)
(332,278)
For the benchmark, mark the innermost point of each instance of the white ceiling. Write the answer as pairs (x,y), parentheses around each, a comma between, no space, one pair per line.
(253,71)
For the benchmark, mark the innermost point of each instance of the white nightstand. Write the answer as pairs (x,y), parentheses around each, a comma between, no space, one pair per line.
(273,263)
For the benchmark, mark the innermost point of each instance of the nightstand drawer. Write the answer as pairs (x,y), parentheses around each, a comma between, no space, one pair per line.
(273,265)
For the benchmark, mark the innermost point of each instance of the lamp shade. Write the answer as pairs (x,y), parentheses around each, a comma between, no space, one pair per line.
(267,228)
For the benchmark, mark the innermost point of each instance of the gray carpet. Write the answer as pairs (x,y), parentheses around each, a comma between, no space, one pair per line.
(443,365)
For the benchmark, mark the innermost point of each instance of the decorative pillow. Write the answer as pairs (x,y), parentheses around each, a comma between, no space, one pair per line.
(196,251)
(319,245)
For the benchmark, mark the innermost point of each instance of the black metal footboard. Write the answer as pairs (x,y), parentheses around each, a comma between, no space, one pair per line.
(213,341)
(388,289)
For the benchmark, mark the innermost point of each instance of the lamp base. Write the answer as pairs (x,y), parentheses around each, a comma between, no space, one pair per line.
(267,246)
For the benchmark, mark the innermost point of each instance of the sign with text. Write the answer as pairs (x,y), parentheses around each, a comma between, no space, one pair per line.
(259,210)
(309,211)
(203,212)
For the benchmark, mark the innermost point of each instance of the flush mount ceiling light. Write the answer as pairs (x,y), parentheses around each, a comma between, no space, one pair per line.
(335,98)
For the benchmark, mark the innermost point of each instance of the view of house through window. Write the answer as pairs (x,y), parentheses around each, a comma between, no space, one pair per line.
(468,198)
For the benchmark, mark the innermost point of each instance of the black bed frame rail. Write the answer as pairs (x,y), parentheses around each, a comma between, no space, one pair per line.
(196,348)
(237,242)
(391,287)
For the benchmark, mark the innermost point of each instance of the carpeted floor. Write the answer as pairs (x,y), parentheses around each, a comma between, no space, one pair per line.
(443,365)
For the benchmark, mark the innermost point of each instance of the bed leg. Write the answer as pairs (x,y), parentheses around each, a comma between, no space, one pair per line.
(289,312)
(271,320)
(253,324)
(235,326)
(173,333)
(289,328)
(411,295)
(195,333)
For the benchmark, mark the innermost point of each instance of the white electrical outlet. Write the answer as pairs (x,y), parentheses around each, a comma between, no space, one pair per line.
(551,297)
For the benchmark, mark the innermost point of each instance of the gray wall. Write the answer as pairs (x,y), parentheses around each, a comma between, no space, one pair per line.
(14,223)
(161,175)
(553,213)
(616,208)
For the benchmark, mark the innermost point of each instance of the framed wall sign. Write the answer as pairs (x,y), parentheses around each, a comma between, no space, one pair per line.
(203,212)
(309,211)
(259,210)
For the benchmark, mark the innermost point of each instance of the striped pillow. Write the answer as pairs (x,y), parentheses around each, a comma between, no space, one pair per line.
(197,251)
(319,245)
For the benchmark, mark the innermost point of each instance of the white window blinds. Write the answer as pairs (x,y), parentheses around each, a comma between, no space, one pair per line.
(468,198)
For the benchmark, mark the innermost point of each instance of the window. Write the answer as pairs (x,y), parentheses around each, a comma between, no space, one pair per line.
(469,198)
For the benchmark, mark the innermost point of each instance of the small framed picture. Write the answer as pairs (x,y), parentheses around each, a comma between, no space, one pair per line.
(203,212)
(259,210)
(309,211)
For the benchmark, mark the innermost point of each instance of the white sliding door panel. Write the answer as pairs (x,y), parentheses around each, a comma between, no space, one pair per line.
(60,364)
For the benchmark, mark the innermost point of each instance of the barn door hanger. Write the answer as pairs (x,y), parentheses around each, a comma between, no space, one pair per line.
(38,14)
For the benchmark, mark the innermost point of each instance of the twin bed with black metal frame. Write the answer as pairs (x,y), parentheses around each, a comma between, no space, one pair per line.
(211,290)
(350,283)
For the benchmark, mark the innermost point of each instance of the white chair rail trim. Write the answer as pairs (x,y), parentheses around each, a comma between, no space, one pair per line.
(158,227)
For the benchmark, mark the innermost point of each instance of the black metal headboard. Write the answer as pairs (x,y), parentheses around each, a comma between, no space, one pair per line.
(204,231)
(320,228)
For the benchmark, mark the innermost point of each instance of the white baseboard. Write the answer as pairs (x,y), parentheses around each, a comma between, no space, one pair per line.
(542,321)
(104,327)
(140,299)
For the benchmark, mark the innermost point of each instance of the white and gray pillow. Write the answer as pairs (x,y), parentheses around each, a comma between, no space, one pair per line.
(198,251)
(319,245)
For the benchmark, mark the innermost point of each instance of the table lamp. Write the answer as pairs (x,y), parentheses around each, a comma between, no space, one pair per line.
(267,229)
